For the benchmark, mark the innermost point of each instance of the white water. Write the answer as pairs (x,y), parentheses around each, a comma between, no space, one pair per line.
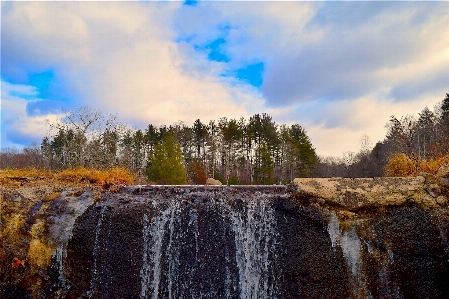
(333,228)
(60,231)
(173,252)
(95,276)
(254,239)
(153,236)
(351,247)
(254,230)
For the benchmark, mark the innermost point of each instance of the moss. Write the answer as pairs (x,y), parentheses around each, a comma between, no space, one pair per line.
(12,227)
(38,229)
(39,254)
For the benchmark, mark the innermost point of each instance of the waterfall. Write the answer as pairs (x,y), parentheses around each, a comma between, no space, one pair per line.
(60,232)
(95,276)
(153,237)
(254,231)
(254,242)
(445,241)
(333,228)
(173,252)
(351,247)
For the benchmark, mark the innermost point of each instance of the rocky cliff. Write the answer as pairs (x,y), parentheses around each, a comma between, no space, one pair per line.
(318,238)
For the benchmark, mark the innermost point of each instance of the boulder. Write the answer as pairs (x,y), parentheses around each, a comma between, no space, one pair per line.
(212,181)
(443,177)
(443,172)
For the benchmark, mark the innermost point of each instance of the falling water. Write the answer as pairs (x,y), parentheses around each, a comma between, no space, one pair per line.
(333,228)
(173,252)
(254,241)
(95,276)
(213,243)
(60,232)
(351,247)
(153,236)
(445,241)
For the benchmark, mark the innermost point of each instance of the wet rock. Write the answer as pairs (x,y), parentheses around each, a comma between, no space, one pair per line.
(324,238)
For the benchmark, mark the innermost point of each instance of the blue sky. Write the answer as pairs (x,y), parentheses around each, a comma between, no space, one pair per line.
(340,69)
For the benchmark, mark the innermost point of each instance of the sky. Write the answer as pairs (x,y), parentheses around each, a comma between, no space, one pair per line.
(339,69)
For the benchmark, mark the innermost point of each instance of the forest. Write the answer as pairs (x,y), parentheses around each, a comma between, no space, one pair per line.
(235,151)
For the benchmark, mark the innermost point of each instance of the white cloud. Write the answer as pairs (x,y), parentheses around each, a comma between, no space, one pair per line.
(350,120)
(123,58)
(129,62)
(17,127)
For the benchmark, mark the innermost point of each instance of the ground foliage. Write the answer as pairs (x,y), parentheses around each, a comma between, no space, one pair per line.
(402,165)
(104,179)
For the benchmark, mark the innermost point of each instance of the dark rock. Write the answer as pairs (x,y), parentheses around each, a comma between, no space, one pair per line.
(237,242)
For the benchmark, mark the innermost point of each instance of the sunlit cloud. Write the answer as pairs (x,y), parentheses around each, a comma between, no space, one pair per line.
(338,69)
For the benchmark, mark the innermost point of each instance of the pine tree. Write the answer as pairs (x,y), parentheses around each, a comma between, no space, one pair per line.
(445,115)
(166,164)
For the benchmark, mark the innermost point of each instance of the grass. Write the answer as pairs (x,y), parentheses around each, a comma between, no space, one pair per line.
(69,177)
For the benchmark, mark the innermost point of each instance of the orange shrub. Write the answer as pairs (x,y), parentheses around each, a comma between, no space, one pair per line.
(401,165)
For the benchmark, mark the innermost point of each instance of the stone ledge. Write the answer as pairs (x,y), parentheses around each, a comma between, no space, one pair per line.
(353,194)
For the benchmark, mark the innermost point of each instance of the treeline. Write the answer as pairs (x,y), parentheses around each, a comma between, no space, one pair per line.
(234,151)
(412,143)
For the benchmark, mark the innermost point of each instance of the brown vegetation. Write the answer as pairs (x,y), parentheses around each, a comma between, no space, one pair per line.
(402,165)
(69,177)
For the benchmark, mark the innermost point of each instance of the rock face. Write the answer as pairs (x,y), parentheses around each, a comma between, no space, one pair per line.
(319,238)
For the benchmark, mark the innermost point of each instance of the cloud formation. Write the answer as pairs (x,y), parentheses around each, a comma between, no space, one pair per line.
(340,69)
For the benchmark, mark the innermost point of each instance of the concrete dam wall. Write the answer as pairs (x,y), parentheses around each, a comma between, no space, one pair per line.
(317,238)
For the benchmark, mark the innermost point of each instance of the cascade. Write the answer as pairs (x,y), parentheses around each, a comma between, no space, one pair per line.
(95,270)
(230,242)
(168,224)
(60,231)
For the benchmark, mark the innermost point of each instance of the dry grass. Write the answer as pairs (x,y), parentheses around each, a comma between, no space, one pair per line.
(70,177)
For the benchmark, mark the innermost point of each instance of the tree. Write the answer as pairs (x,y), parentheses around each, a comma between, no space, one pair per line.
(445,115)
(263,172)
(195,171)
(83,138)
(166,164)
(200,134)
(303,154)
(425,132)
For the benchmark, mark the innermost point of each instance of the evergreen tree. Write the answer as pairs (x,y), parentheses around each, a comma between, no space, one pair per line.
(445,115)
(166,164)
(303,154)
(263,171)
